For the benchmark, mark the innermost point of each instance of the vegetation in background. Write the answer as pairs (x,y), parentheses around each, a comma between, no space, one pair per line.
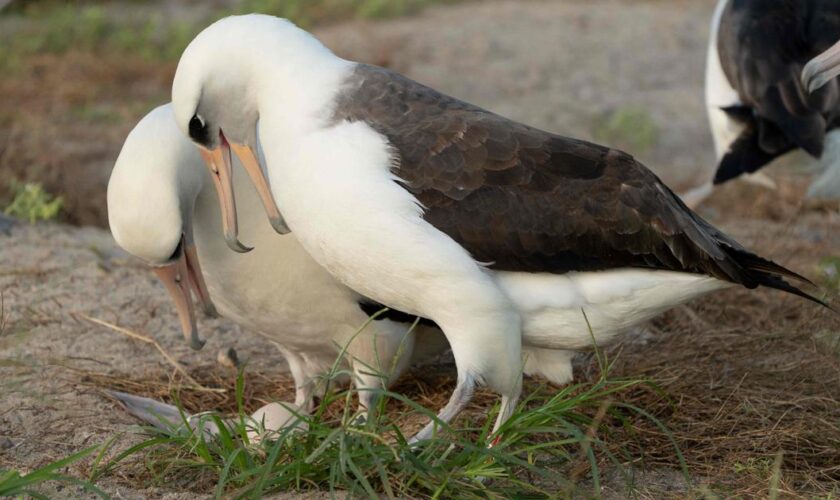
(629,128)
(309,12)
(829,270)
(32,203)
(47,27)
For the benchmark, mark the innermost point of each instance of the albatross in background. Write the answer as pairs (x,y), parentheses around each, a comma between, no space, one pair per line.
(500,233)
(162,209)
(758,109)
(820,71)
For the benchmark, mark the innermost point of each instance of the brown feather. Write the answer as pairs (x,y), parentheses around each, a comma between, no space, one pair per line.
(528,200)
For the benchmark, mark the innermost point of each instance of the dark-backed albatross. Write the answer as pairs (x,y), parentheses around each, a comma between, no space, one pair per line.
(758,109)
(412,198)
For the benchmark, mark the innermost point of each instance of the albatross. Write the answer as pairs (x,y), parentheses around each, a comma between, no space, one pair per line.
(502,234)
(162,209)
(820,71)
(758,109)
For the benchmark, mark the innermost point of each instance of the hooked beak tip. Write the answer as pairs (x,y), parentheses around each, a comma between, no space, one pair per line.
(279,225)
(815,83)
(810,76)
(237,246)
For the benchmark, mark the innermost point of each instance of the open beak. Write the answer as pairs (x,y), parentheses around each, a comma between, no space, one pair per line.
(179,276)
(822,69)
(252,166)
(219,163)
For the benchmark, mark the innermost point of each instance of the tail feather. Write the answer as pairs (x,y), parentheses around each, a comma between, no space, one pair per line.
(778,283)
(764,272)
(746,156)
(754,262)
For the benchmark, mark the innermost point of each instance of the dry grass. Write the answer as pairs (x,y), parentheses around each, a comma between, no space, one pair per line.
(740,379)
(735,396)
(742,376)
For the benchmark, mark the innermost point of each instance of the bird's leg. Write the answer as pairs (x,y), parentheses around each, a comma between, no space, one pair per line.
(378,357)
(508,405)
(461,397)
(367,384)
(303,383)
(487,349)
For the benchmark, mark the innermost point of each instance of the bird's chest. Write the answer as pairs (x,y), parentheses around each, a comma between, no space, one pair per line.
(345,207)
(276,289)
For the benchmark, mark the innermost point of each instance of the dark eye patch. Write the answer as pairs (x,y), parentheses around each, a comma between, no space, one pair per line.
(199,131)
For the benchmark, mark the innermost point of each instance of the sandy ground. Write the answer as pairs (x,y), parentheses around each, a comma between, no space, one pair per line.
(556,65)
(559,65)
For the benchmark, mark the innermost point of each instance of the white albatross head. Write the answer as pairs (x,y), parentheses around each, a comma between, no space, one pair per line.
(151,196)
(231,69)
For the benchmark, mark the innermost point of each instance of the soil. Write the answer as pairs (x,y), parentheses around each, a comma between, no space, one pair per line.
(561,66)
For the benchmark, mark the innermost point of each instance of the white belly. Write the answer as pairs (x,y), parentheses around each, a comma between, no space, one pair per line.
(276,289)
(553,306)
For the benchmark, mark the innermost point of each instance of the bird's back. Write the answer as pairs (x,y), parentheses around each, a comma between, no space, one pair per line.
(526,200)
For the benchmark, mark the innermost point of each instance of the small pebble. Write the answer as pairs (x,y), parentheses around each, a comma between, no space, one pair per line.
(6,443)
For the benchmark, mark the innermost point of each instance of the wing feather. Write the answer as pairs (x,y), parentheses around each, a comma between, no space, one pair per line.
(526,200)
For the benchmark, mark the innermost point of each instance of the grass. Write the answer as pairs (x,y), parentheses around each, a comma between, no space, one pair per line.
(630,128)
(745,424)
(829,270)
(15,484)
(32,203)
(37,28)
(548,444)
(552,441)
(308,12)
(76,75)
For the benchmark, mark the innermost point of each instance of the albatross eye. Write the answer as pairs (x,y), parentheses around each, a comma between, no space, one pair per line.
(198,130)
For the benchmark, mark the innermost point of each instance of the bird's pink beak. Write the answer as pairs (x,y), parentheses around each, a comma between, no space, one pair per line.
(218,161)
(219,164)
(179,276)
(251,164)
(822,69)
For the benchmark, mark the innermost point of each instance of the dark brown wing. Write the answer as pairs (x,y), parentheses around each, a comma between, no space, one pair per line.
(526,200)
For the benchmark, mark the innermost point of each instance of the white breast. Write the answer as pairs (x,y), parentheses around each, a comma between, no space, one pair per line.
(276,289)
(340,199)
